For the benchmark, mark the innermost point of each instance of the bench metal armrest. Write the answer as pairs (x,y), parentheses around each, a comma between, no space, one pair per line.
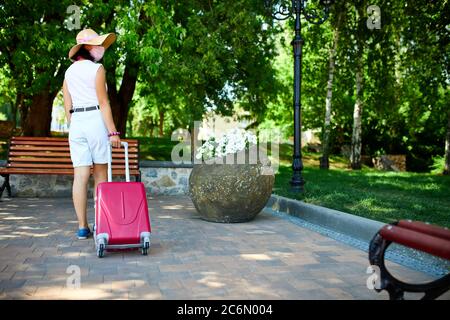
(395,287)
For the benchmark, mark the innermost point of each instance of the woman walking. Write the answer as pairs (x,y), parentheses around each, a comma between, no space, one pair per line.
(89,115)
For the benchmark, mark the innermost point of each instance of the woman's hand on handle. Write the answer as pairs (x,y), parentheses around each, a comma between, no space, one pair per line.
(115,141)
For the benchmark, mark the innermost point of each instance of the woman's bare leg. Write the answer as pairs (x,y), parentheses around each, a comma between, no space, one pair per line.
(79,193)
(100,175)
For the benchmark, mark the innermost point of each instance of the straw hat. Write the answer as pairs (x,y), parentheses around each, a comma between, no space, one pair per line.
(90,37)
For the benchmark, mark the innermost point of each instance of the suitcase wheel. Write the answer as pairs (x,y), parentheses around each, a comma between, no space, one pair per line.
(101,250)
(145,247)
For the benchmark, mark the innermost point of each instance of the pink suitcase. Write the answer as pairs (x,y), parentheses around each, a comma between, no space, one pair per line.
(121,214)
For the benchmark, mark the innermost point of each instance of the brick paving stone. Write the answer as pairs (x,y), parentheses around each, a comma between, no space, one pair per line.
(267,258)
(25,275)
(146,294)
(341,294)
(24,292)
(48,291)
(176,294)
(104,271)
(170,284)
(87,292)
(7,275)
(12,284)
(313,294)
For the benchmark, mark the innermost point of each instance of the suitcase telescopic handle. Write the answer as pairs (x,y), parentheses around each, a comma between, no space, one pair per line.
(127,166)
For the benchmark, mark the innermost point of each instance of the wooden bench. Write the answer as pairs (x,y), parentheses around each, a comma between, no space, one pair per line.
(44,155)
(417,235)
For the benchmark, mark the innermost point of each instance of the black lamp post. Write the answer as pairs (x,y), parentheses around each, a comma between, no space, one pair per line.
(282,10)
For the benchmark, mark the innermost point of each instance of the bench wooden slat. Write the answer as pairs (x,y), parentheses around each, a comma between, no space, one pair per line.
(21,138)
(417,240)
(56,141)
(54,165)
(34,159)
(61,159)
(30,148)
(38,153)
(39,138)
(62,154)
(41,143)
(426,228)
(133,172)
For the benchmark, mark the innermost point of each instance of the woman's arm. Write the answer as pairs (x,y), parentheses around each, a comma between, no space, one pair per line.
(105,108)
(67,101)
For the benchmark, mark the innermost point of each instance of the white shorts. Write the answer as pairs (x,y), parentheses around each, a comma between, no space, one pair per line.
(88,138)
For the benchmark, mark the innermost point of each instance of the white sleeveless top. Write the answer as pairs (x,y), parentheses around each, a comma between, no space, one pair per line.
(80,79)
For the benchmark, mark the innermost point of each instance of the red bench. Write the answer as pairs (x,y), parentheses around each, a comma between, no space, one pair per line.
(421,236)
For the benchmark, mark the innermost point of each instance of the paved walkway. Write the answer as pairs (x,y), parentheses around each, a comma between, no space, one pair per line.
(268,258)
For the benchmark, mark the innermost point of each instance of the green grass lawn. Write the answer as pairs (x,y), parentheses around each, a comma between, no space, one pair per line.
(155,148)
(382,196)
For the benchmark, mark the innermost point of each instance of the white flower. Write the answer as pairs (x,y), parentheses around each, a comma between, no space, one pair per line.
(233,141)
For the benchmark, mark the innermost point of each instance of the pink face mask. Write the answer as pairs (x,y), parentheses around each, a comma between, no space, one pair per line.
(97,52)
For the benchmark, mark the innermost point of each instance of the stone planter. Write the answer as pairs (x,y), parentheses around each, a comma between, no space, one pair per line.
(230,192)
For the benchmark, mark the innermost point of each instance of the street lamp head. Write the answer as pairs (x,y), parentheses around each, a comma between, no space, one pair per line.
(282,8)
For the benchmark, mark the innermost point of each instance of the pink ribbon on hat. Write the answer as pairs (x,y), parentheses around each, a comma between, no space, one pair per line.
(80,40)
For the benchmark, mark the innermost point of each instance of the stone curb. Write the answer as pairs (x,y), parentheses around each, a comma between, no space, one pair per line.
(353,230)
(351,225)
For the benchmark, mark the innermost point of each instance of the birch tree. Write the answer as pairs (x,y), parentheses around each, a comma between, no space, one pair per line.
(447,147)
(356,146)
(324,160)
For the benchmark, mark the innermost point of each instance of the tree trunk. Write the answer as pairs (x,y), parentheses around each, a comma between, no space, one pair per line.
(151,127)
(195,143)
(126,93)
(324,160)
(39,116)
(447,148)
(120,101)
(161,123)
(355,156)
(18,105)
